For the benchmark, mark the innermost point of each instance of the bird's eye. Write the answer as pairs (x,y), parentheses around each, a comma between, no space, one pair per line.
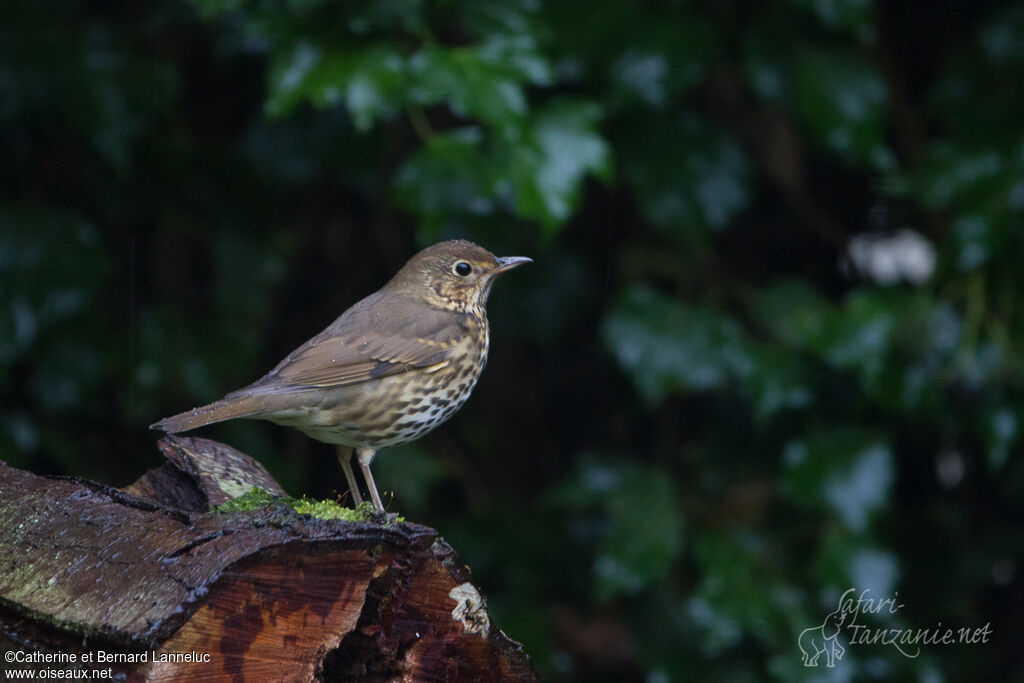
(462,269)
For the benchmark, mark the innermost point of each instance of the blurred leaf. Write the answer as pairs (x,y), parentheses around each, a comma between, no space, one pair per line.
(640,527)
(18,434)
(378,17)
(739,592)
(1002,433)
(643,75)
(447,176)
(368,82)
(861,336)
(848,560)
(688,176)
(471,84)
(52,267)
(948,175)
(211,8)
(896,342)
(986,186)
(847,470)
(975,96)
(671,59)
(792,312)
(778,382)
(854,16)
(974,241)
(666,346)
(842,99)
(548,174)
(1002,35)
(65,376)
(538,177)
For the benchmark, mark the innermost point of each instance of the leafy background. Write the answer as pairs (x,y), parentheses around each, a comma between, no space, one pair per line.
(705,416)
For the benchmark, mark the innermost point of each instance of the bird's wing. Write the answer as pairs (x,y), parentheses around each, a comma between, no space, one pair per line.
(371,340)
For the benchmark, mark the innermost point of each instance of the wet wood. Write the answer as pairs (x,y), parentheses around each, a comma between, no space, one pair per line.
(161,588)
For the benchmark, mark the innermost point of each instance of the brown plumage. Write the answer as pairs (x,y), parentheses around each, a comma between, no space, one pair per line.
(390,369)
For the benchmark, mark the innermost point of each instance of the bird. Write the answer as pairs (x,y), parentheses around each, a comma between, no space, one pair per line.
(390,369)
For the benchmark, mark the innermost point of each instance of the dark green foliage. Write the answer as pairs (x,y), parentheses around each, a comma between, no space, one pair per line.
(706,414)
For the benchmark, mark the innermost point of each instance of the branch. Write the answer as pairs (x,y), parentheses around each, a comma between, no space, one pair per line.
(149,576)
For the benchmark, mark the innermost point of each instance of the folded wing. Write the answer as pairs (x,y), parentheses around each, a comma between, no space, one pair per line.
(354,350)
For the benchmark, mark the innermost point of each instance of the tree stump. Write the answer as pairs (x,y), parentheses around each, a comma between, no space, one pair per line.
(148,582)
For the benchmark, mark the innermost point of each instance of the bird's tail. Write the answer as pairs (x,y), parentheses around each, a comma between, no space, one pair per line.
(218,411)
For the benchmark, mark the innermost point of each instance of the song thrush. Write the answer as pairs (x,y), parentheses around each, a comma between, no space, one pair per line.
(390,369)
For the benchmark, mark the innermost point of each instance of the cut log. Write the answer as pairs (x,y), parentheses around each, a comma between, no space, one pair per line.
(150,583)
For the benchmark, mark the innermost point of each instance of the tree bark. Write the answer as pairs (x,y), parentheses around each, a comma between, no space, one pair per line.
(148,582)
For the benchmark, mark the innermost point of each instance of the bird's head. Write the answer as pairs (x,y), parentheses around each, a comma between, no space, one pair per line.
(456,275)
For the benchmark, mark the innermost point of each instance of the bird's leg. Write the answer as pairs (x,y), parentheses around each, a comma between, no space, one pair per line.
(365,456)
(345,458)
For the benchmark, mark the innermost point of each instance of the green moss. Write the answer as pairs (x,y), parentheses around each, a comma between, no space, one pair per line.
(257,499)
(328,509)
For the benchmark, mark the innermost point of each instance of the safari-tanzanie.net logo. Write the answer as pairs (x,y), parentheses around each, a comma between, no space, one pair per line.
(823,645)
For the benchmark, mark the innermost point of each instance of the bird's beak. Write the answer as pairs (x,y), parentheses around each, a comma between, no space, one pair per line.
(510,262)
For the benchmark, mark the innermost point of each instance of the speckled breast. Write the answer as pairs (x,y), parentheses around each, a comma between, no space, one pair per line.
(398,408)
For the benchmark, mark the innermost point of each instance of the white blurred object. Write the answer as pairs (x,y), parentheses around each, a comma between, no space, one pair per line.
(949,468)
(888,259)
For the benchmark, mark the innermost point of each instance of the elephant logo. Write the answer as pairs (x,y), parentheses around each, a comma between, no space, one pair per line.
(823,639)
